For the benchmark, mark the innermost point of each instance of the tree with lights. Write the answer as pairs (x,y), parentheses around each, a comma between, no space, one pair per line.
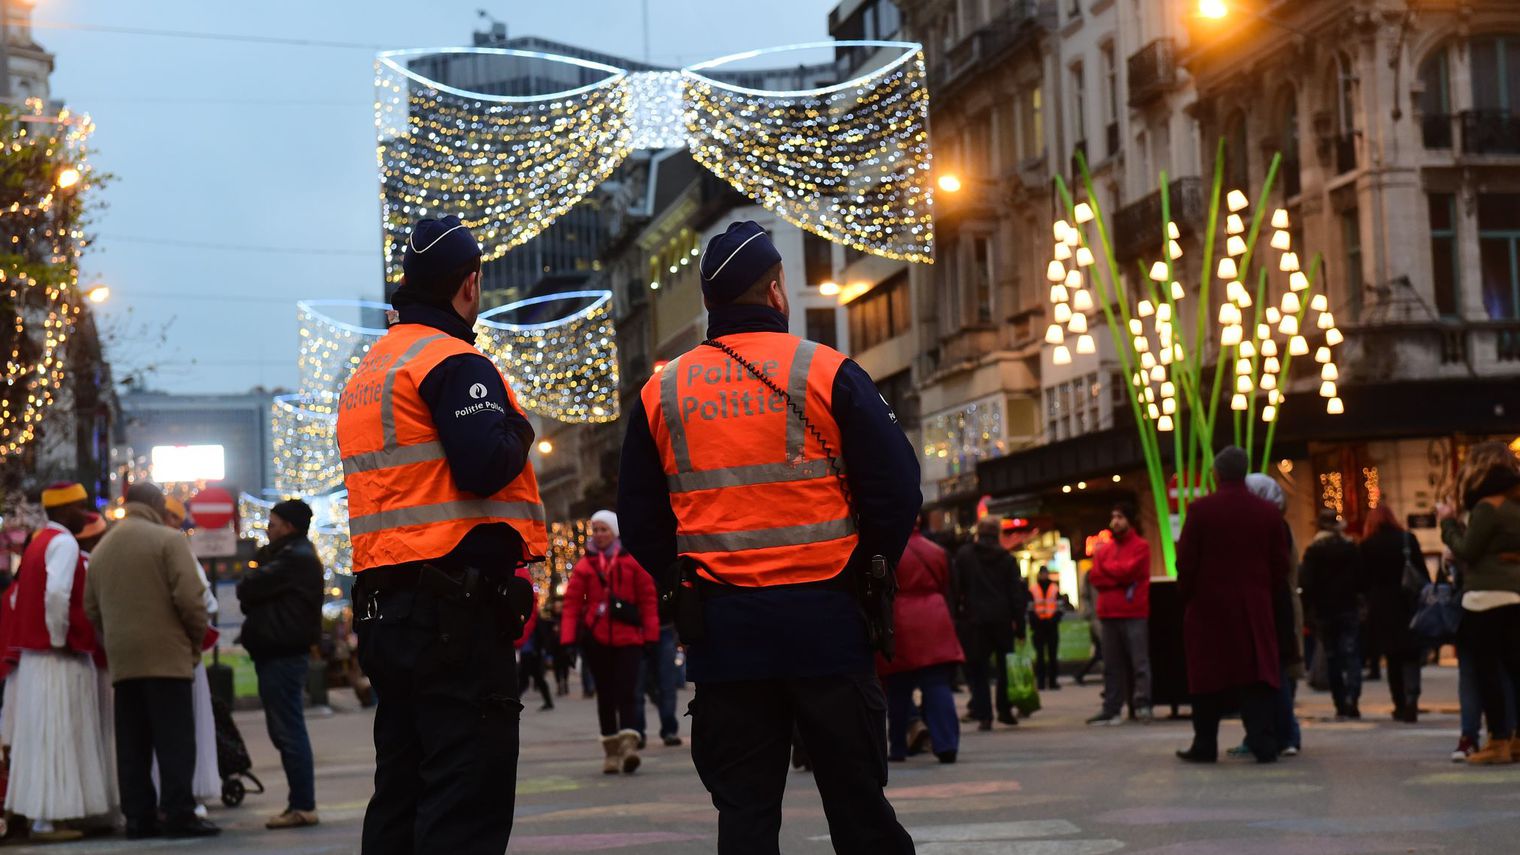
(1164,355)
(45,179)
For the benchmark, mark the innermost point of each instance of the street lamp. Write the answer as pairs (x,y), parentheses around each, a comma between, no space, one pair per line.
(545,446)
(829,288)
(1213,9)
(68,177)
(98,294)
(950,183)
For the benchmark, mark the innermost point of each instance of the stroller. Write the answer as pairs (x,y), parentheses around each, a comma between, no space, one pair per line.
(232,758)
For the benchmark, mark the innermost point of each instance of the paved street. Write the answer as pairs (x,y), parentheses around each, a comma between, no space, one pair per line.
(1049,787)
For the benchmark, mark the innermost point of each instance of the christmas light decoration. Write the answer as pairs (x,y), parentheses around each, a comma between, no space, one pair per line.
(305,446)
(44,161)
(848,161)
(565,368)
(1253,335)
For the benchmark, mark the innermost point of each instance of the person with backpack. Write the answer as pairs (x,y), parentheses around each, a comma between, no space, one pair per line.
(611,613)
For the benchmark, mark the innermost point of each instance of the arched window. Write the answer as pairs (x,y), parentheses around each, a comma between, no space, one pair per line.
(1237,166)
(1435,100)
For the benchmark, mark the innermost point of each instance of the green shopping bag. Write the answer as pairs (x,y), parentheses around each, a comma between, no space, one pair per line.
(1022,692)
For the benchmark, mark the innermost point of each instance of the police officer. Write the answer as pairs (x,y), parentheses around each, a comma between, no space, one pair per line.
(776,495)
(443,508)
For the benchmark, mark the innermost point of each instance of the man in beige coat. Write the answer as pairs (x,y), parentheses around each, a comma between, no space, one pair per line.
(144,595)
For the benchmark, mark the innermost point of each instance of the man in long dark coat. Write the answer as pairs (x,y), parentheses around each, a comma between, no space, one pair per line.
(1232,555)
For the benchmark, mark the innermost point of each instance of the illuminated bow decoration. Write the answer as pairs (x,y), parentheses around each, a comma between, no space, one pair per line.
(848,161)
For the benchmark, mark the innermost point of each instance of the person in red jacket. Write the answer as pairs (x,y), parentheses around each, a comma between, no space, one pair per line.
(1121,575)
(611,613)
(927,651)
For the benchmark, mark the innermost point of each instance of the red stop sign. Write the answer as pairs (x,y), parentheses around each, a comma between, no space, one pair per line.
(213,507)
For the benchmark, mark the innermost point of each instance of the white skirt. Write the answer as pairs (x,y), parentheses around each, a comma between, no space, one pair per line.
(59,765)
(207,783)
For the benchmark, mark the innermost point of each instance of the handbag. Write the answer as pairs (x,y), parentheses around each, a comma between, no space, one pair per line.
(1415,578)
(1437,612)
(619,609)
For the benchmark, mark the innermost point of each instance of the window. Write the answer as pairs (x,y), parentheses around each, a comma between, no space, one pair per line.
(1499,252)
(978,162)
(1445,271)
(821,327)
(1110,98)
(880,314)
(1345,95)
(1496,73)
(1289,143)
(1078,104)
(1435,101)
(1351,241)
(1031,124)
(1074,408)
(817,259)
(1237,164)
(981,280)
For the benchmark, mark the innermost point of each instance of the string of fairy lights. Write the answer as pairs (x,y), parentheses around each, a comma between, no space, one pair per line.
(566,368)
(848,162)
(46,159)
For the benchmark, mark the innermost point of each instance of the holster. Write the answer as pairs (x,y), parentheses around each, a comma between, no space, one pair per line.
(876,590)
(691,625)
(461,596)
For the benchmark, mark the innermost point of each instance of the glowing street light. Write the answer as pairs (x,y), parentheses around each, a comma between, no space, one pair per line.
(98,294)
(949,183)
(68,177)
(545,446)
(1213,9)
(828,289)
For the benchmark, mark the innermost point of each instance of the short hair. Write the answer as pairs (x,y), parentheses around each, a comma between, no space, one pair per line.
(443,284)
(1128,510)
(989,525)
(757,293)
(147,493)
(1230,464)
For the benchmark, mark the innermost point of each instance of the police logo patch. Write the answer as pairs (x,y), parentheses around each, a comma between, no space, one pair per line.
(478,391)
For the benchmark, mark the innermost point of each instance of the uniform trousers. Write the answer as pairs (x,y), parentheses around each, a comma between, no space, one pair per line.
(742,742)
(446,723)
(1045,633)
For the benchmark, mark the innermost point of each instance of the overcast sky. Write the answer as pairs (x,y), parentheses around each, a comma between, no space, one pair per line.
(245,173)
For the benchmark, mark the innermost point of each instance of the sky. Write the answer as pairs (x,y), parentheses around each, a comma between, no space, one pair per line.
(244,174)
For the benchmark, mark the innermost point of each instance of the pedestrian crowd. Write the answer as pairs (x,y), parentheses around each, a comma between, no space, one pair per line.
(108,720)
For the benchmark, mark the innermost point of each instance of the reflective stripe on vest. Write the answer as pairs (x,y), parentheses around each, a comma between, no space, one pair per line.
(1045,604)
(403,502)
(776,514)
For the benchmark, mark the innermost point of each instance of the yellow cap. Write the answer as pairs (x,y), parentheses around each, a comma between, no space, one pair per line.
(175,506)
(59,495)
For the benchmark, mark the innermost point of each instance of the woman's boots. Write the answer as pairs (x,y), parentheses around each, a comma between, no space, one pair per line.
(622,752)
(613,746)
(630,750)
(1498,752)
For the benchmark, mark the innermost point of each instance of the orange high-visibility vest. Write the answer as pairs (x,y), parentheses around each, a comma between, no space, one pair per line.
(403,505)
(1045,603)
(755,500)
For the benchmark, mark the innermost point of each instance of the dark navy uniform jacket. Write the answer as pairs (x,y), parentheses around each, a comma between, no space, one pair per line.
(487,447)
(794,631)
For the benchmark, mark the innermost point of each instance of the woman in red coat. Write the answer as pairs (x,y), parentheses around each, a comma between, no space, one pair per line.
(926,653)
(1232,556)
(611,613)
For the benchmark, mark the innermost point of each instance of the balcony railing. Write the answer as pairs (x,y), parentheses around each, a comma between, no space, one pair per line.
(1138,225)
(1152,71)
(984,45)
(1490,132)
(1431,349)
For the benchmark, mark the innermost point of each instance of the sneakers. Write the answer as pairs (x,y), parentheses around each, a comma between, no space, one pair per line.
(1290,751)
(1464,750)
(671,741)
(1145,715)
(1106,720)
(293,819)
(1499,752)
